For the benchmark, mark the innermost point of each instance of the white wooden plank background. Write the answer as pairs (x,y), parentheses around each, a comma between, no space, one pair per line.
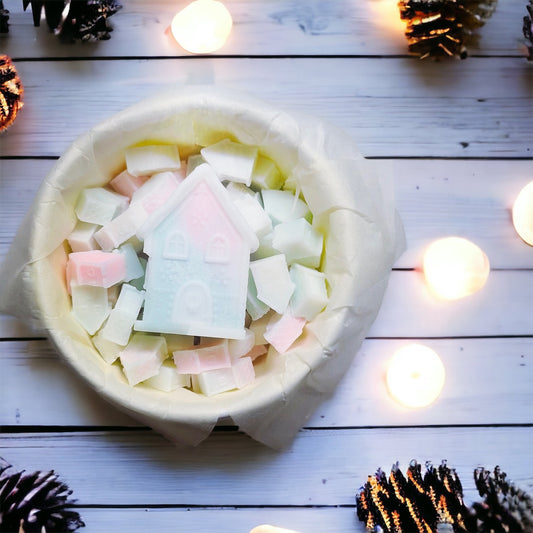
(458,137)
(474,391)
(388,105)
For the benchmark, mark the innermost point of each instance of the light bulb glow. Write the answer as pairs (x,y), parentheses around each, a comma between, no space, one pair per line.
(202,27)
(415,375)
(455,267)
(523,213)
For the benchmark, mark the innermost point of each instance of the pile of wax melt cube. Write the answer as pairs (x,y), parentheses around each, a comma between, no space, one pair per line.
(110,272)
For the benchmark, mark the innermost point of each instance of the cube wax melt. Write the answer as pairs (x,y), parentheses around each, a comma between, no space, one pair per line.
(147,160)
(143,356)
(99,206)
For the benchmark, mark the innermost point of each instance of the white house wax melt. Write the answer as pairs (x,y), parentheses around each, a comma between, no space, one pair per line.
(178,249)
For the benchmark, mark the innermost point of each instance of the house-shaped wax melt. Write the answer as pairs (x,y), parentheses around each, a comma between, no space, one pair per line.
(199,249)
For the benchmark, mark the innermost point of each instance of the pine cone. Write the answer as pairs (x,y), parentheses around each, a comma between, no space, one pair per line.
(429,503)
(528,30)
(35,503)
(4,18)
(413,502)
(85,20)
(11,92)
(505,507)
(443,28)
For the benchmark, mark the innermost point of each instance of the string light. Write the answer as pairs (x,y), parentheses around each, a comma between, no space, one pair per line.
(202,27)
(455,267)
(415,375)
(523,213)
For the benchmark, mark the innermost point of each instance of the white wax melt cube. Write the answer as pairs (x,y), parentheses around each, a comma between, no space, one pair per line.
(282,331)
(272,280)
(89,306)
(99,206)
(265,248)
(254,306)
(143,356)
(121,319)
(121,228)
(250,208)
(126,184)
(107,349)
(299,241)
(212,382)
(202,358)
(240,347)
(177,342)
(138,283)
(134,267)
(231,161)
(147,160)
(82,237)
(96,268)
(283,206)
(310,294)
(266,174)
(168,379)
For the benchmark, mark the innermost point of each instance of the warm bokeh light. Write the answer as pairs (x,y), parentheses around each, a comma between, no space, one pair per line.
(523,213)
(455,267)
(415,375)
(202,27)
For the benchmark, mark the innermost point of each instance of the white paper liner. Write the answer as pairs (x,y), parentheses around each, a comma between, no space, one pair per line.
(350,204)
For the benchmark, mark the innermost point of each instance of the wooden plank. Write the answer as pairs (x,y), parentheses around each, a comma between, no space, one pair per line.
(418,112)
(273,27)
(474,393)
(323,467)
(435,198)
(221,520)
(503,307)
(471,199)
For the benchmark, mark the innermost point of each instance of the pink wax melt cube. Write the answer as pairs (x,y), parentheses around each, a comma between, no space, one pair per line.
(257,351)
(96,268)
(283,330)
(203,358)
(126,183)
(156,191)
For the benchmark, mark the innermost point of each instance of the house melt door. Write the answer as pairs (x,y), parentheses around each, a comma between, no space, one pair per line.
(193,304)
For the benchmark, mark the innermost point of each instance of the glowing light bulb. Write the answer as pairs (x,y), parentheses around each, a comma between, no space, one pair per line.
(523,213)
(415,375)
(455,267)
(202,27)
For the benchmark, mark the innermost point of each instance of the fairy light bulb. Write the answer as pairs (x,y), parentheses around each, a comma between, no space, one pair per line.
(415,375)
(202,27)
(523,213)
(455,267)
